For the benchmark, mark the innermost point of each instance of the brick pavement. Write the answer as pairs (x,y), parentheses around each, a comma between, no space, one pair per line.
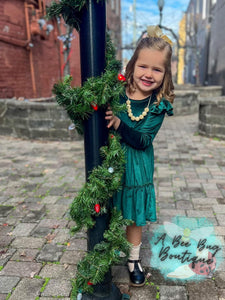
(38,181)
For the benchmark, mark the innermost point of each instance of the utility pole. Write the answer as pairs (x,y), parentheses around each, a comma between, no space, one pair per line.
(92,51)
(134,24)
(160,6)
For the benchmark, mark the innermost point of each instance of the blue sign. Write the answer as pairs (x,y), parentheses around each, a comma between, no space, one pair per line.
(186,248)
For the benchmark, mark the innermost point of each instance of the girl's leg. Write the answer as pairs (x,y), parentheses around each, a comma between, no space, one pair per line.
(134,235)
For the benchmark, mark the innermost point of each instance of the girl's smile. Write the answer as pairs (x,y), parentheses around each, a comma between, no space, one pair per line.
(149,71)
(146,82)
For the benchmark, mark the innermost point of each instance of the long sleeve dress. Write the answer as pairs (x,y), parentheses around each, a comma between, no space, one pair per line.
(136,199)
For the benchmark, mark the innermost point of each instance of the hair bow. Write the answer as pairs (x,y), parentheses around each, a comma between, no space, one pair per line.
(155,31)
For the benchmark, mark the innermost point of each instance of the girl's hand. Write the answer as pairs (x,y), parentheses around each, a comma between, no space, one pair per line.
(113,120)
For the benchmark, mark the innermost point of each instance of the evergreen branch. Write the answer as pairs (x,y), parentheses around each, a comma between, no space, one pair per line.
(101,91)
(97,263)
(70,10)
(100,186)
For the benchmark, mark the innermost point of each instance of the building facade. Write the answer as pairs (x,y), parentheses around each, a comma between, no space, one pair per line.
(198,21)
(113,21)
(205,43)
(181,51)
(216,61)
(35,53)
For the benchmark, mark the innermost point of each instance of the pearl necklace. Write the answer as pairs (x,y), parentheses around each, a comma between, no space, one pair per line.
(144,113)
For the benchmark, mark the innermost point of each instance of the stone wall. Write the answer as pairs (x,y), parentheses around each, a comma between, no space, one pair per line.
(210,91)
(186,102)
(35,120)
(44,119)
(211,117)
(188,97)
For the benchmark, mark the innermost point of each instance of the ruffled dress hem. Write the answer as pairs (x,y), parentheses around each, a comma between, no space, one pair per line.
(137,203)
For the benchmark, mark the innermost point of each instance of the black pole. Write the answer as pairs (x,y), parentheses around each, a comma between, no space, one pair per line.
(92,51)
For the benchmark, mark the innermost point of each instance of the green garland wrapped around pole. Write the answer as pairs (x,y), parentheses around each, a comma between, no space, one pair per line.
(104,157)
(92,51)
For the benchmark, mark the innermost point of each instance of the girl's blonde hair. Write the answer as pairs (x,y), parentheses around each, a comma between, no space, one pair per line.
(166,89)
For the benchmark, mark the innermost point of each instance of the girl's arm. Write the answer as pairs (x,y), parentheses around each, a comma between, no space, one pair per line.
(136,139)
(131,136)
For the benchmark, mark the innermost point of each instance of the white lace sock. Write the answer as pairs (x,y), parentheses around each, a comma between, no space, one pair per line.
(134,255)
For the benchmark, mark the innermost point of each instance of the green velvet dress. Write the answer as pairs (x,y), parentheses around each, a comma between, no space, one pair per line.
(136,199)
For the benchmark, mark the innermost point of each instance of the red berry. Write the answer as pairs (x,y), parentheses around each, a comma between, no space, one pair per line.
(94,105)
(121,77)
(97,208)
(90,283)
(112,136)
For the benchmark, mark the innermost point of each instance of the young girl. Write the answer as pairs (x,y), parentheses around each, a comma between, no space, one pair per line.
(148,96)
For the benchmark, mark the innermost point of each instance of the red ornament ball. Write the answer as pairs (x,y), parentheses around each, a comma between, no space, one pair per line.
(121,77)
(94,105)
(90,283)
(97,208)
(112,136)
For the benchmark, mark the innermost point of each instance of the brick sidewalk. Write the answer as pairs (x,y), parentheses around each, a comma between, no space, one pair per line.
(38,181)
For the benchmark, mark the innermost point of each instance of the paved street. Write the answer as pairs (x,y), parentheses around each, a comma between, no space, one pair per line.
(38,181)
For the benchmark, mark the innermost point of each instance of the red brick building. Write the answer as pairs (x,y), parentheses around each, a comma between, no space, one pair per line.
(32,57)
(113,21)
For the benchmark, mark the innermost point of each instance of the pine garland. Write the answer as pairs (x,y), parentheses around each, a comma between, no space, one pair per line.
(96,92)
(104,180)
(70,10)
(92,269)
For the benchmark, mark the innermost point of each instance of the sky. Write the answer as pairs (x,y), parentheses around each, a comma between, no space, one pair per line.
(147,13)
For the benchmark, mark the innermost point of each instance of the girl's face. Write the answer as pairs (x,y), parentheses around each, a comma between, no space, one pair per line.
(149,71)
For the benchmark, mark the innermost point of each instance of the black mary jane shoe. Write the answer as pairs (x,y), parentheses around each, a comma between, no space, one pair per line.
(137,277)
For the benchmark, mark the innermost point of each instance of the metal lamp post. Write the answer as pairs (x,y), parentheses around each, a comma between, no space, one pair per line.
(92,52)
(160,6)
